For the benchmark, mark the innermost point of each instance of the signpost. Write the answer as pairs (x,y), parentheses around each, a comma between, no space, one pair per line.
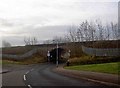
(48,55)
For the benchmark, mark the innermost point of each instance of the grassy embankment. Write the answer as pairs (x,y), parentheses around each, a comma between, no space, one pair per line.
(34,59)
(112,68)
(94,63)
(77,56)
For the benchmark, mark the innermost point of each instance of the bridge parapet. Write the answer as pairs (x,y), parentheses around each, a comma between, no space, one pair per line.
(101,51)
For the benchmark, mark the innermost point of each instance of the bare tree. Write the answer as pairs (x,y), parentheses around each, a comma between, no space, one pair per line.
(34,40)
(72,36)
(107,33)
(114,28)
(30,40)
(57,39)
(80,34)
(47,42)
(27,40)
(5,44)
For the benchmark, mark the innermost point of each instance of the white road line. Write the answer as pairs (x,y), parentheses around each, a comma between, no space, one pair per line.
(31,69)
(24,77)
(29,86)
(27,72)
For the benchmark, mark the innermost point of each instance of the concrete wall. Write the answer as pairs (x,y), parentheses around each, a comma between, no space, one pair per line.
(101,52)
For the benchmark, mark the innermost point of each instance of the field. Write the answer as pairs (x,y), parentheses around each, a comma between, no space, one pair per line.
(112,68)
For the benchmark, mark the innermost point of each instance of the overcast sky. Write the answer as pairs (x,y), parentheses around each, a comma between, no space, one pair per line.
(45,19)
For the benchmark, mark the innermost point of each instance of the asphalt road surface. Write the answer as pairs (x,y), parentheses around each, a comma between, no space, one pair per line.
(42,76)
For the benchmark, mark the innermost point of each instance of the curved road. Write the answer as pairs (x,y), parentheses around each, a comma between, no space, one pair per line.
(42,75)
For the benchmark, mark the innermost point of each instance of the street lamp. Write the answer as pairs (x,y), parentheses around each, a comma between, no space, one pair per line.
(56,53)
(57,56)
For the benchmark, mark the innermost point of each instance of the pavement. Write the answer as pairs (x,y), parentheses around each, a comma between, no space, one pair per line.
(103,78)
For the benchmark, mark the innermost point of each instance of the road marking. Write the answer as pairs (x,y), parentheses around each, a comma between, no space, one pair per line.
(31,69)
(29,86)
(27,72)
(24,77)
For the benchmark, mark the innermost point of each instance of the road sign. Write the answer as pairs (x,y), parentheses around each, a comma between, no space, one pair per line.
(48,54)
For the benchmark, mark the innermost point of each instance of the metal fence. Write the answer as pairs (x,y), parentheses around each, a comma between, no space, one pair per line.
(101,51)
(19,57)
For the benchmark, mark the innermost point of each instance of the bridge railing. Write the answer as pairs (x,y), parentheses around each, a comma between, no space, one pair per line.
(101,51)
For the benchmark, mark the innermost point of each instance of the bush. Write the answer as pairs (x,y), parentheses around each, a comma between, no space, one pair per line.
(92,60)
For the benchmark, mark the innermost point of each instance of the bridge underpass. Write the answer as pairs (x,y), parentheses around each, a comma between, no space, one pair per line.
(61,53)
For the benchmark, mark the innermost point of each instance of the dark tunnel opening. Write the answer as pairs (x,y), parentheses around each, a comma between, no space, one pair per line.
(53,55)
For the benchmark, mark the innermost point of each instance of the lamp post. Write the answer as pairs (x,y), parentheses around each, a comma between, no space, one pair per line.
(57,55)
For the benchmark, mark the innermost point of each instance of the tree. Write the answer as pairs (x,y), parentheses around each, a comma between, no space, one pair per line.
(30,40)
(5,44)
(72,34)
(57,39)
(47,42)
(115,33)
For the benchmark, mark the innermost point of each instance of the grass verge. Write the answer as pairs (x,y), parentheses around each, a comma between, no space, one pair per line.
(112,68)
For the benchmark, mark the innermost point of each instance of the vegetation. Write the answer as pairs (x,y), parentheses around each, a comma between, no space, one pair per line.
(104,44)
(34,59)
(5,62)
(88,31)
(112,68)
(30,40)
(5,44)
(86,59)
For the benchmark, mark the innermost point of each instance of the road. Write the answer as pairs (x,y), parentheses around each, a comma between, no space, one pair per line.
(42,76)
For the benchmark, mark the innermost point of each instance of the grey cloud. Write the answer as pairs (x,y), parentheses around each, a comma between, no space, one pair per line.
(46,30)
(4,22)
(41,33)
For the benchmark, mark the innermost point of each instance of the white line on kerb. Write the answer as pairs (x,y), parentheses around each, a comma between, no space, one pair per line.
(29,86)
(24,77)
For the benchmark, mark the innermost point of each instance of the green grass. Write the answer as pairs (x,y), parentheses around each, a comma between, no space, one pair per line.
(111,68)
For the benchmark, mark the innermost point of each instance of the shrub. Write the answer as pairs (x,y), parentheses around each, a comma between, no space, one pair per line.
(92,60)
